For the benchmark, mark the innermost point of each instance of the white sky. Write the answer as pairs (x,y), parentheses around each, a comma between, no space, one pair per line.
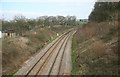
(48,0)
(35,8)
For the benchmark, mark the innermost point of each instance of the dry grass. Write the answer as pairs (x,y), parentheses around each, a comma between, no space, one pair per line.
(16,51)
(97,30)
(92,55)
(98,48)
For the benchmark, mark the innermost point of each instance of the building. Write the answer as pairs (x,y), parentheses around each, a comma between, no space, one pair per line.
(8,33)
(0,34)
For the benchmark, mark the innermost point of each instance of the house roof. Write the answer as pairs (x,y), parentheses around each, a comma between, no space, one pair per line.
(7,31)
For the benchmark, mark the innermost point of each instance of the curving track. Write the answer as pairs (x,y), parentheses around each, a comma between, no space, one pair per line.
(55,59)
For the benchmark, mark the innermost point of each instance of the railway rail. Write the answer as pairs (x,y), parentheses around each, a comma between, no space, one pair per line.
(49,61)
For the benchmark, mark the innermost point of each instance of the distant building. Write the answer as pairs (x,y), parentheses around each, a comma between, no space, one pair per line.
(8,33)
(84,20)
(0,34)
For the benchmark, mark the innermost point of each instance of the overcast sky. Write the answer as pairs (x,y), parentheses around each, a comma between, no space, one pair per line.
(35,8)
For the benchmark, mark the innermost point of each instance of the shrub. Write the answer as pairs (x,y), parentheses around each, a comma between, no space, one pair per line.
(98,48)
(29,43)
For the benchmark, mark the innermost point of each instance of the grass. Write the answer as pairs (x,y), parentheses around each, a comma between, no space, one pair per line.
(56,37)
(80,23)
(98,48)
(73,70)
(110,35)
(52,40)
(29,43)
(91,55)
(17,50)
(83,23)
(13,73)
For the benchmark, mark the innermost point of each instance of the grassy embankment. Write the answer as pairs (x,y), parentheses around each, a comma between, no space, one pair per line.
(16,51)
(94,50)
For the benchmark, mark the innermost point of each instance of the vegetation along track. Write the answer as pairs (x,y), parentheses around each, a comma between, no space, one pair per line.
(48,61)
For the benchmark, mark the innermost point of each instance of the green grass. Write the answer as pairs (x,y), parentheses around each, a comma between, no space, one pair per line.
(56,37)
(13,73)
(81,23)
(52,40)
(73,59)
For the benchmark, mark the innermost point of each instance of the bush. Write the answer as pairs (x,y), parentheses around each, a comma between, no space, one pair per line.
(112,31)
(109,36)
(29,43)
(98,48)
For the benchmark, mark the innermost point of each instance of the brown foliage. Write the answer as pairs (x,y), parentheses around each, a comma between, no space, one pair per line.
(98,48)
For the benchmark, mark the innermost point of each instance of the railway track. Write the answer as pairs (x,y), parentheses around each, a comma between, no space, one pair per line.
(49,61)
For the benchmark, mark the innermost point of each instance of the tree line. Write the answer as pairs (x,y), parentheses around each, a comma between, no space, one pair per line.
(105,11)
(21,23)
